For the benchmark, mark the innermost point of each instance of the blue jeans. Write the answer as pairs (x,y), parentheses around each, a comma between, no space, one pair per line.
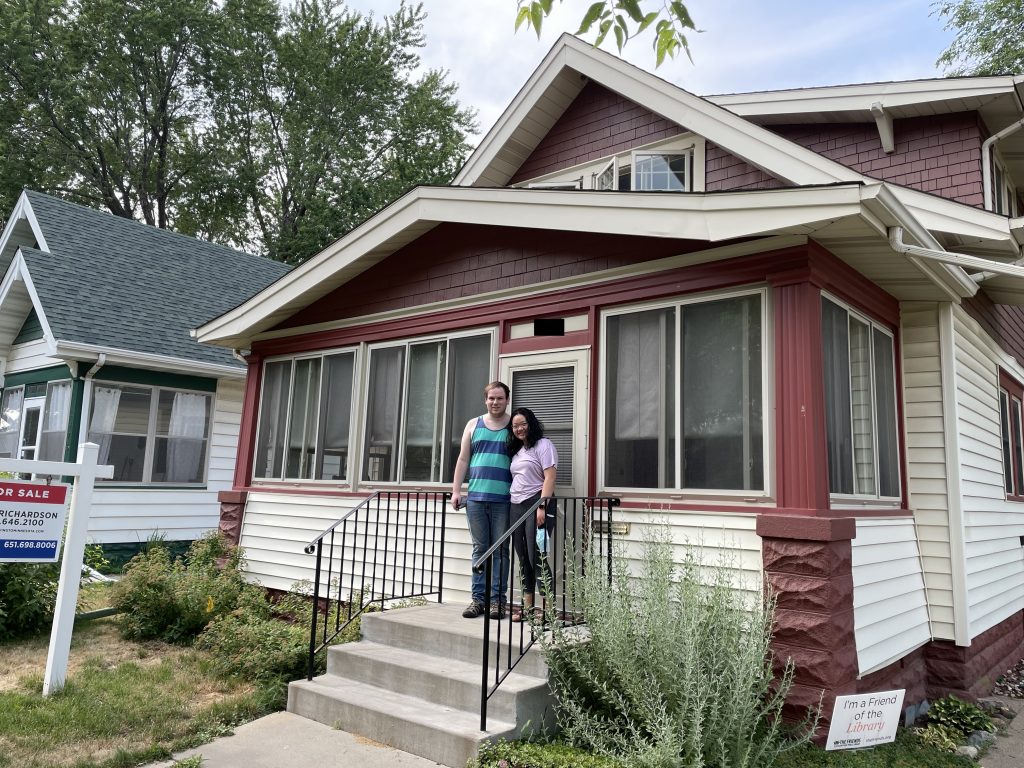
(488,521)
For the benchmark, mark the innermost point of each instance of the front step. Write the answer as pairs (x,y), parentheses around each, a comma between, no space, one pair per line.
(414,681)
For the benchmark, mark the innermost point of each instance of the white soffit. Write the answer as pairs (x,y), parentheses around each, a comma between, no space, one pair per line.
(492,165)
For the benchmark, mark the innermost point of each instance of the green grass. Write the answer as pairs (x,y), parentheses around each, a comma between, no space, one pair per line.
(124,704)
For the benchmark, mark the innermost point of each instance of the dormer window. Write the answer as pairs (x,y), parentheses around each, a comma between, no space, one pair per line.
(662,172)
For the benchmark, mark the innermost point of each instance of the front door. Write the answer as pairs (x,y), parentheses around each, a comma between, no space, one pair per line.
(555,386)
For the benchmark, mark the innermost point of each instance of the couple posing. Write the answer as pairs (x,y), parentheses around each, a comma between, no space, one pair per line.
(511,466)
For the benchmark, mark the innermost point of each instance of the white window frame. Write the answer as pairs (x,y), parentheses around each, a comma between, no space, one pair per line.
(491,333)
(557,185)
(151,435)
(860,500)
(685,153)
(354,450)
(611,167)
(1004,193)
(767,394)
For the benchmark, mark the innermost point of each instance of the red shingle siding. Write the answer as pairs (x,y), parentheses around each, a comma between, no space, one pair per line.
(1003,322)
(456,260)
(727,172)
(598,123)
(939,154)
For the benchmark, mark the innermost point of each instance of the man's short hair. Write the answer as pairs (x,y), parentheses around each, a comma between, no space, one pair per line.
(495,384)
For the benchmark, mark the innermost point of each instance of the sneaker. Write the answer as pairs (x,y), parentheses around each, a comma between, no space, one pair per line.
(498,610)
(474,610)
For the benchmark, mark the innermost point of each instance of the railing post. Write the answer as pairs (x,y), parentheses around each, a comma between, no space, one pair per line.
(440,565)
(488,575)
(316,607)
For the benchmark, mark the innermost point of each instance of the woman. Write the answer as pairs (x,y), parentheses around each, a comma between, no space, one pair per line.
(534,465)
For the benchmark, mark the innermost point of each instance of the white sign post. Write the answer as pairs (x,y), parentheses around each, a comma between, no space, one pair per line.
(865,720)
(86,471)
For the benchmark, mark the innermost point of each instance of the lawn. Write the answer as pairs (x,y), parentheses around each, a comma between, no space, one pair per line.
(126,703)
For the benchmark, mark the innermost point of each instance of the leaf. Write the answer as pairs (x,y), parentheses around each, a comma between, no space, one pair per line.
(523,16)
(620,38)
(632,7)
(603,32)
(649,19)
(593,14)
(546,5)
(682,15)
(536,16)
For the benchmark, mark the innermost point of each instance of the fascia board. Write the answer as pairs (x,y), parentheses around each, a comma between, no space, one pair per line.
(71,350)
(23,210)
(940,214)
(30,286)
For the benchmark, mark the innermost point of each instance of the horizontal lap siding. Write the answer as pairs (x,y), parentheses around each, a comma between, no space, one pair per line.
(992,525)
(29,357)
(130,515)
(889,604)
(926,457)
(277,527)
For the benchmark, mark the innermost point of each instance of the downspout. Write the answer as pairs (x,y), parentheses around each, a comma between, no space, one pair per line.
(986,159)
(239,355)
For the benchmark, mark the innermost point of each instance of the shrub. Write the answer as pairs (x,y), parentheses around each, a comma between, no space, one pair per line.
(524,754)
(959,716)
(175,600)
(675,670)
(939,737)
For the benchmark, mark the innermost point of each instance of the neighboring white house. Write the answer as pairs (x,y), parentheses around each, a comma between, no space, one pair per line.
(94,345)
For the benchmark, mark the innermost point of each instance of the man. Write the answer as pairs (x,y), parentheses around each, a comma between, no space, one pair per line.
(484,454)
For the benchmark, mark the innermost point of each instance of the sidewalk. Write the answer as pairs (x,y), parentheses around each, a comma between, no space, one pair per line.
(1008,751)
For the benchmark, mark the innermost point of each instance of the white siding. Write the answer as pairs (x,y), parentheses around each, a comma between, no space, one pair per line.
(277,527)
(889,606)
(992,525)
(926,458)
(129,515)
(30,356)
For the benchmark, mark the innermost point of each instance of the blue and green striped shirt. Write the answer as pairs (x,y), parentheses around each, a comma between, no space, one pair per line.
(489,475)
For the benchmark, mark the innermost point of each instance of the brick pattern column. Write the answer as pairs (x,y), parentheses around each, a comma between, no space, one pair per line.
(232,507)
(807,565)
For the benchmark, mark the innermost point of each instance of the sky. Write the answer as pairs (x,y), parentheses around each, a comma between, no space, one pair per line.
(744,45)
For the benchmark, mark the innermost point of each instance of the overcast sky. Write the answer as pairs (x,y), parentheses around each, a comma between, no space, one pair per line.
(745,45)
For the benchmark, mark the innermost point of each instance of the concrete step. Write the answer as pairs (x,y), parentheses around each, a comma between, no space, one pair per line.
(440,630)
(448,682)
(446,735)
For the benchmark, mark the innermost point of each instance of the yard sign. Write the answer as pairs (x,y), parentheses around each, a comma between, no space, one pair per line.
(31,521)
(865,720)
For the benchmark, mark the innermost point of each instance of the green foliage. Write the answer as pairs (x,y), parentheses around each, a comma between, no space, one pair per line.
(939,737)
(525,754)
(908,751)
(624,20)
(959,716)
(677,669)
(989,37)
(175,600)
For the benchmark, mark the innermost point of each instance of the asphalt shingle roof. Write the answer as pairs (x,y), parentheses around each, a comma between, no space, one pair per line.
(117,283)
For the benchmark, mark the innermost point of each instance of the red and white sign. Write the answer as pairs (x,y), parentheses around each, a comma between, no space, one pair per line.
(865,719)
(31,521)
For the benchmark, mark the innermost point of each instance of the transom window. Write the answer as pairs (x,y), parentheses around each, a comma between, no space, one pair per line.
(1011,431)
(151,434)
(648,172)
(860,404)
(692,369)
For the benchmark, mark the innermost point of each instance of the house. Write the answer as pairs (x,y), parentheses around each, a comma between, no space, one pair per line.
(94,345)
(786,322)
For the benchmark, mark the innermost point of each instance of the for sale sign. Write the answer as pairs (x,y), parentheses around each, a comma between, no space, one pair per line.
(865,720)
(31,521)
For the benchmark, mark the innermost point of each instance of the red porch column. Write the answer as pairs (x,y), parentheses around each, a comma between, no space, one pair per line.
(807,565)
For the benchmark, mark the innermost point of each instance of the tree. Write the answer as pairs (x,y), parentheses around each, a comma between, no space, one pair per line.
(321,121)
(625,19)
(103,100)
(989,37)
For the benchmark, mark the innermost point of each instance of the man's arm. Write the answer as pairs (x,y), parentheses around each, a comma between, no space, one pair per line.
(463,463)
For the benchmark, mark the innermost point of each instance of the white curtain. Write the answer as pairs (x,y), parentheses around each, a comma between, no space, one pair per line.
(641,368)
(186,435)
(104,414)
(10,422)
(55,421)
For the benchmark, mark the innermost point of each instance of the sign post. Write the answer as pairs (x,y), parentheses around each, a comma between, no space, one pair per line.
(86,471)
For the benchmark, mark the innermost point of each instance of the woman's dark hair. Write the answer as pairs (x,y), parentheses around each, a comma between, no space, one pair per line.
(534,431)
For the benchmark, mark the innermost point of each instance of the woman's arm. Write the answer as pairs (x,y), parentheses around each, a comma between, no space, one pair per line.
(546,492)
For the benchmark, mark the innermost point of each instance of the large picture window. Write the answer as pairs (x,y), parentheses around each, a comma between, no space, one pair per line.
(420,396)
(151,434)
(860,404)
(684,394)
(305,414)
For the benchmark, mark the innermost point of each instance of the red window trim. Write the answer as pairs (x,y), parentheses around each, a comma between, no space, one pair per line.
(1014,391)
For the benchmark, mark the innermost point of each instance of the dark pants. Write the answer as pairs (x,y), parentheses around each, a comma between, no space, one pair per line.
(524,542)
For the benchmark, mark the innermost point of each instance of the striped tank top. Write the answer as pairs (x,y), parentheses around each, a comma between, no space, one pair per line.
(489,475)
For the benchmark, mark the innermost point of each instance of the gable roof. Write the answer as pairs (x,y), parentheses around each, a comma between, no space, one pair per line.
(115,284)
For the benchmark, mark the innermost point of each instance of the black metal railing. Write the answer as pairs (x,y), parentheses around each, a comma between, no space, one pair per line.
(578,529)
(390,547)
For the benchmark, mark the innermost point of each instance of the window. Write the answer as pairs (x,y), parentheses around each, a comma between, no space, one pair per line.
(305,414)
(1004,194)
(420,396)
(1011,395)
(860,404)
(557,185)
(151,434)
(693,370)
(656,171)
(55,421)
(34,421)
(607,177)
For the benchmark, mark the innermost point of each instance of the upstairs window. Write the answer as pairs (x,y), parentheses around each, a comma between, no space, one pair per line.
(860,405)
(1004,194)
(1011,432)
(663,172)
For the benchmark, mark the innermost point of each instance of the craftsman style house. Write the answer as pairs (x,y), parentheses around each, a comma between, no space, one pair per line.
(784,322)
(94,345)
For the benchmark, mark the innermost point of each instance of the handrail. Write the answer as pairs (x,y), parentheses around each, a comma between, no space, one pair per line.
(390,546)
(581,525)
